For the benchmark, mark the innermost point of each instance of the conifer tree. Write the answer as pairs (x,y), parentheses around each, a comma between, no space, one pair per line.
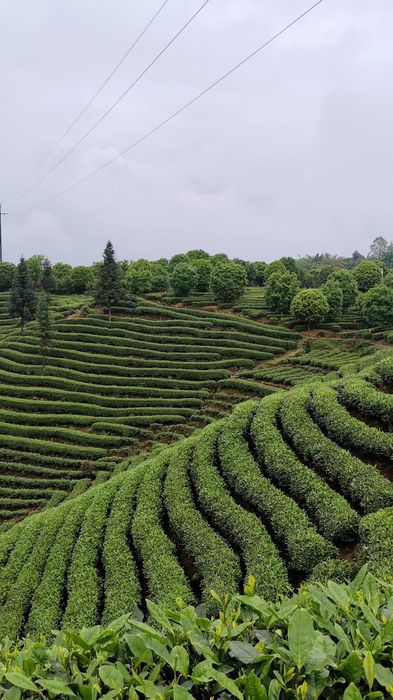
(44,325)
(47,278)
(109,289)
(22,297)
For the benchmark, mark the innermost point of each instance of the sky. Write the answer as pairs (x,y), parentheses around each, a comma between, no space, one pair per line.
(291,155)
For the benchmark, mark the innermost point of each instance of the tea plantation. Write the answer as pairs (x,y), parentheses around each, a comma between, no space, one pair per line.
(295,485)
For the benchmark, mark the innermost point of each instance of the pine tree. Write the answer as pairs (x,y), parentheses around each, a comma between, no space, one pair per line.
(109,290)
(47,278)
(44,326)
(22,297)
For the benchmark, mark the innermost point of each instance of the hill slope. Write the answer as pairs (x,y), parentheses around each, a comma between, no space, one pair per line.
(269,491)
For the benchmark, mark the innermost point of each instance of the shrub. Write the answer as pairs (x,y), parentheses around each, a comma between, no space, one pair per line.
(228,282)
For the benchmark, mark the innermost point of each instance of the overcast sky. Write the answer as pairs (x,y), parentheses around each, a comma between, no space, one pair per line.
(292,154)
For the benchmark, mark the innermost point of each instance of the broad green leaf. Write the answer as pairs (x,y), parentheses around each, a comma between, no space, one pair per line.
(274,690)
(243,651)
(383,675)
(300,636)
(180,693)
(317,681)
(352,667)
(375,695)
(323,653)
(12,693)
(352,693)
(179,660)
(56,686)
(159,616)
(369,668)
(20,680)
(226,683)
(203,671)
(254,689)
(111,676)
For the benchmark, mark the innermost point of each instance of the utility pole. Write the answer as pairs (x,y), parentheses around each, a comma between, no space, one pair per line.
(2,213)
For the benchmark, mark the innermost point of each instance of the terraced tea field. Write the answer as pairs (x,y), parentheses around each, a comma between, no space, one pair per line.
(297,484)
(111,389)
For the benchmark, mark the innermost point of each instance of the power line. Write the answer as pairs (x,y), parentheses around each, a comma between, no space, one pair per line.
(177,112)
(89,103)
(113,105)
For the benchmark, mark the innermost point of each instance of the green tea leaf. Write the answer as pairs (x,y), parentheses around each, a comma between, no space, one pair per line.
(383,675)
(159,616)
(56,686)
(111,676)
(369,668)
(180,693)
(352,667)
(243,651)
(179,660)
(254,689)
(226,683)
(20,680)
(300,636)
(352,693)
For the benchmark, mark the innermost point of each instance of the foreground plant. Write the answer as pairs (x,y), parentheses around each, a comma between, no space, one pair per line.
(330,641)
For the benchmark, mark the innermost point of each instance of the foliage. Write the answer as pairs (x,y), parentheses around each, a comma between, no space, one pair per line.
(183,279)
(334,297)
(34,265)
(367,275)
(22,297)
(310,306)
(378,248)
(7,271)
(273,268)
(139,278)
(62,273)
(348,285)
(81,279)
(388,279)
(159,277)
(256,273)
(203,268)
(377,305)
(228,282)
(109,288)
(290,264)
(44,325)
(47,280)
(327,640)
(281,287)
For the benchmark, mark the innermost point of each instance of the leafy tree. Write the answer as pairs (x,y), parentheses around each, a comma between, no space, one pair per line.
(310,306)
(378,248)
(273,267)
(109,288)
(334,296)
(203,268)
(219,258)
(44,325)
(34,265)
(227,282)
(81,279)
(290,264)
(177,259)
(368,274)
(377,305)
(22,297)
(183,279)
(388,279)
(256,273)
(7,271)
(139,277)
(159,277)
(47,278)
(281,287)
(62,277)
(348,285)
(198,254)
(387,258)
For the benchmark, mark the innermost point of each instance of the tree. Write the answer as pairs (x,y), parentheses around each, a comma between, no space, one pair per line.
(183,279)
(197,254)
(256,273)
(177,259)
(44,325)
(7,271)
(203,268)
(310,306)
(348,285)
(368,274)
(378,248)
(377,305)
(227,282)
(109,289)
(388,279)
(47,278)
(34,265)
(273,267)
(281,287)
(62,276)
(334,296)
(22,297)
(159,277)
(81,279)
(139,277)
(290,264)
(387,258)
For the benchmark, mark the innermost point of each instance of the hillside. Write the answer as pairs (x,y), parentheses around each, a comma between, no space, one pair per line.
(111,389)
(295,485)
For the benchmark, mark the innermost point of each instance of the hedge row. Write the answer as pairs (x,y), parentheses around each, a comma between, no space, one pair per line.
(361,483)
(376,537)
(165,578)
(217,567)
(343,428)
(290,525)
(236,524)
(336,519)
(141,406)
(359,394)
(247,386)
